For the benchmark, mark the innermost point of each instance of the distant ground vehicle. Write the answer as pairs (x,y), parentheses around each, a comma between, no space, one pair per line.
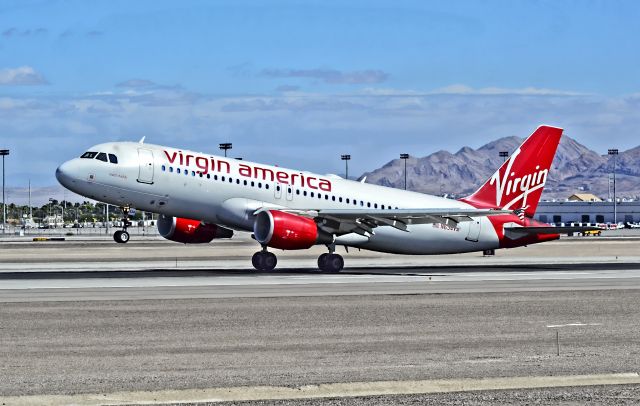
(592,233)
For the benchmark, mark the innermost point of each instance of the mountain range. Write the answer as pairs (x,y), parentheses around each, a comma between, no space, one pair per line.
(575,169)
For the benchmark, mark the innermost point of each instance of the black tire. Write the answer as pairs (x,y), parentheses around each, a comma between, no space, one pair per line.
(334,263)
(322,261)
(117,236)
(121,236)
(258,260)
(270,261)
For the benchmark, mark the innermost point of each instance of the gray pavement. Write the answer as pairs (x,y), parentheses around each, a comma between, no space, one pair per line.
(104,346)
(98,317)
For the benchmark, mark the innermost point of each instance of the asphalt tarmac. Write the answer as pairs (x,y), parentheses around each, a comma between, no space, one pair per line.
(96,327)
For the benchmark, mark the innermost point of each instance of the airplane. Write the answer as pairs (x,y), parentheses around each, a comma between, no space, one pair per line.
(201,197)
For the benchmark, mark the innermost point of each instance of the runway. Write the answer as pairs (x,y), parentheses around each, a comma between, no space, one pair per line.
(185,284)
(99,324)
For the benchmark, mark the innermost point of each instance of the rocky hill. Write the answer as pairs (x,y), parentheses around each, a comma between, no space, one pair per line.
(575,169)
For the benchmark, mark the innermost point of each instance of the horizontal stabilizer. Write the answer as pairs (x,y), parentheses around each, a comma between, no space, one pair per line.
(518,232)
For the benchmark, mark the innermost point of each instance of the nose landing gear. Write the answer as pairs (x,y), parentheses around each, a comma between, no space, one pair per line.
(264,260)
(122,236)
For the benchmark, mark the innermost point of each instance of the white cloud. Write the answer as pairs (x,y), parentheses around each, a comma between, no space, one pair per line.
(330,76)
(373,125)
(24,75)
(489,91)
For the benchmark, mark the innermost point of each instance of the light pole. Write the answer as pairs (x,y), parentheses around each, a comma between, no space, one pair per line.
(55,223)
(404,157)
(504,155)
(346,158)
(614,152)
(226,146)
(3,152)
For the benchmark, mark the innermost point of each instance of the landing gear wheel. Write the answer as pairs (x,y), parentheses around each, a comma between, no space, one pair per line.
(322,261)
(270,261)
(264,261)
(332,263)
(121,236)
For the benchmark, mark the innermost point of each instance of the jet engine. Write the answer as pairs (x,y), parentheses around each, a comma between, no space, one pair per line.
(189,231)
(288,231)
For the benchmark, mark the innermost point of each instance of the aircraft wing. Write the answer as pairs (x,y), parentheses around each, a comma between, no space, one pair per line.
(519,232)
(363,221)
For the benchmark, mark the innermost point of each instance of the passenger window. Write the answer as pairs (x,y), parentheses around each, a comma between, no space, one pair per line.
(113,159)
(245,183)
(259,185)
(208,176)
(164,168)
(304,192)
(171,169)
(266,186)
(102,156)
(311,194)
(89,155)
(253,183)
(177,170)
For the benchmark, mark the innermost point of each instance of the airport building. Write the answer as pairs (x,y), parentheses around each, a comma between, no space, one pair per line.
(587,212)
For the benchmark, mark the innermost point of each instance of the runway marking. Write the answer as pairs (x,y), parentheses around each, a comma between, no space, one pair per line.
(573,325)
(237,394)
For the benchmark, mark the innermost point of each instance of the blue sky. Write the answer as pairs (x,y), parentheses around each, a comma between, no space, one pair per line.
(297,83)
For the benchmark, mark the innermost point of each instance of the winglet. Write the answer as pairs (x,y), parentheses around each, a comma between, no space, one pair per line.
(142,140)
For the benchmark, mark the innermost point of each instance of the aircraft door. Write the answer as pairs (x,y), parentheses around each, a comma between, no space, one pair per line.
(145,161)
(289,192)
(277,190)
(474,229)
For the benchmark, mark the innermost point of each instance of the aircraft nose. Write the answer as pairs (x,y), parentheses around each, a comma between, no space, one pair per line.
(64,174)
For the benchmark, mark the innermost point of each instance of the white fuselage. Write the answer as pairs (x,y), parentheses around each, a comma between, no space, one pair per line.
(227,192)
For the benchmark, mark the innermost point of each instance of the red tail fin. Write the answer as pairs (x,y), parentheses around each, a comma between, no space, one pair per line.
(519,182)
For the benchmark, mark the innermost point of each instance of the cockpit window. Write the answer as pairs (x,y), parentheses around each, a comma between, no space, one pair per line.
(113,159)
(89,155)
(102,156)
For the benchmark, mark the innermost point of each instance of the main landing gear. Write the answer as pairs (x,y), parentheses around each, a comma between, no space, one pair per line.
(330,262)
(122,236)
(264,260)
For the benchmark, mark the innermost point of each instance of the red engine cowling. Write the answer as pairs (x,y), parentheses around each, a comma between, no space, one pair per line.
(287,231)
(189,231)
